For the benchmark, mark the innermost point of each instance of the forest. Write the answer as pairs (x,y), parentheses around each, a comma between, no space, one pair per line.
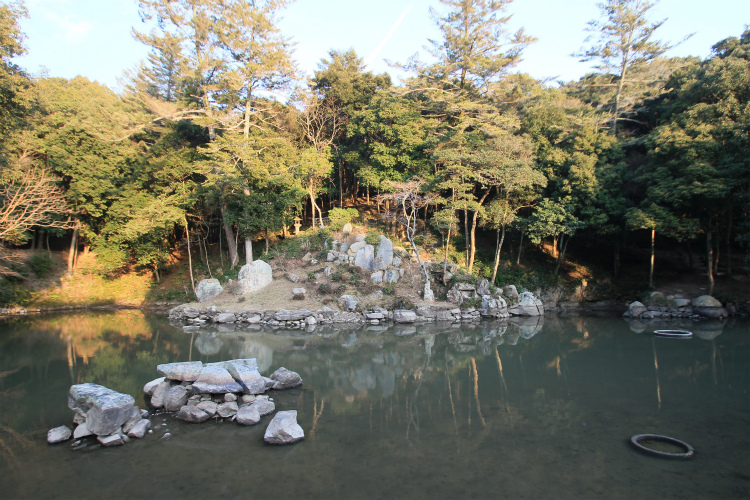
(217,138)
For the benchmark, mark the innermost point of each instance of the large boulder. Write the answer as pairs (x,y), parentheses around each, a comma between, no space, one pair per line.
(527,305)
(404,316)
(160,394)
(248,415)
(264,406)
(294,315)
(150,387)
(708,306)
(186,371)
(348,302)
(254,276)
(364,257)
(106,410)
(285,379)
(384,257)
(248,376)
(391,276)
(635,309)
(176,398)
(215,379)
(284,429)
(208,289)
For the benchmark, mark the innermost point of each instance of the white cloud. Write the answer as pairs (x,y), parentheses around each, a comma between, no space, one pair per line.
(73,31)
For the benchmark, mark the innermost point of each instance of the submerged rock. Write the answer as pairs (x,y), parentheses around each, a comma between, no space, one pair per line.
(111,440)
(284,429)
(192,414)
(139,429)
(285,379)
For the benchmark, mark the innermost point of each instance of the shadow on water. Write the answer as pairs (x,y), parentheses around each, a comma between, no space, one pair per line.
(530,407)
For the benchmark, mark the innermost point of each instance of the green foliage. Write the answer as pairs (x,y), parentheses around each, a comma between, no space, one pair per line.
(41,264)
(372,237)
(311,276)
(325,289)
(388,289)
(13,293)
(336,276)
(354,277)
(340,216)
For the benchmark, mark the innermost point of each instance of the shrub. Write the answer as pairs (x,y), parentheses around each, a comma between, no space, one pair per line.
(311,276)
(354,277)
(388,289)
(372,237)
(336,276)
(41,264)
(341,288)
(325,289)
(340,216)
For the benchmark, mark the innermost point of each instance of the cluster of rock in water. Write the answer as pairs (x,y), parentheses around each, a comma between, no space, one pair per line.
(197,392)
(661,306)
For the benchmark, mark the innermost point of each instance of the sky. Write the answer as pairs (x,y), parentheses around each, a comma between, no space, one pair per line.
(92,38)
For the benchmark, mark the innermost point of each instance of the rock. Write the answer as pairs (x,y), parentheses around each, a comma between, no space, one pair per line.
(428,295)
(396,261)
(254,276)
(150,387)
(708,306)
(192,414)
(298,293)
(186,371)
(347,229)
(635,309)
(81,431)
(59,434)
(391,276)
(208,289)
(355,248)
(348,302)
(286,315)
(175,399)
(510,292)
(365,256)
(225,317)
(228,409)
(310,321)
(216,380)
(139,430)
(247,398)
(264,406)
(483,288)
(344,249)
(111,440)
(527,305)
(229,397)
(404,316)
(209,407)
(135,417)
(454,296)
(292,277)
(248,415)
(384,257)
(376,277)
(284,429)
(160,394)
(285,379)
(106,410)
(248,377)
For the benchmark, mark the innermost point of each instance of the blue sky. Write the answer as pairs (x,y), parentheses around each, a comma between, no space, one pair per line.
(92,37)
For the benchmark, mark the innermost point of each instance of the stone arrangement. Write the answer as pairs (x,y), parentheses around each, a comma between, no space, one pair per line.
(661,306)
(384,264)
(109,415)
(230,390)
(251,278)
(196,391)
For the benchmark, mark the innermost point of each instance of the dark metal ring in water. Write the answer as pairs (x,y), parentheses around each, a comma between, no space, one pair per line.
(688,453)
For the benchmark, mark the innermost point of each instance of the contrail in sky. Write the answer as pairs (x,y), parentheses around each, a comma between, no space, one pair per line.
(387,37)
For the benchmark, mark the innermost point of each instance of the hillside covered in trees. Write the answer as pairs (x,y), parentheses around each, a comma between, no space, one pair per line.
(200,147)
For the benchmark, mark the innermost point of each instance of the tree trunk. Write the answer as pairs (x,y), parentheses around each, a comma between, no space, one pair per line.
(520,249)
(709,257)
(447,245)
(500,241)
(561,257)
(248,250)
(729,243)
(466,234)
(473,250)
(234,259)
(651,269)
(266,240)
(73,249)
(190,256)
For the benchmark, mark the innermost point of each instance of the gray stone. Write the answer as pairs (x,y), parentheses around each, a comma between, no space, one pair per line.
(247,398)
(404,316)
(209,407)
(346,229)
(298,293)
(175,399)
(135,417)
(228,409)
(377,277)
(348,302)
(310,321)
(287,315)
(190,312)
(454,296)
(292,277)
(396,262)
(635,309)
(160,393)
(527,305)
(225,317)
(248,377)
(249,362)
(428,295)
(254,276)
(284,429)
(510,292)
(364,258)
(186,371)
(216,380)
(229,397)
(285,379)
(150,387)
(391,276)
(483,288)
(59,434)
(384,257)
(192,414)
(264,406)
(355,248)
(139,430)
(106,410)
(208,289)
(248,415)
(706,301)
(111,440)
(82,431)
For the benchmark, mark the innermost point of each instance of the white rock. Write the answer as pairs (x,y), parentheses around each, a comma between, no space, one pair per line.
(284,429)
(58,434)
(139,430)
(248,415)
(254,276)
(208,289)
(150,387)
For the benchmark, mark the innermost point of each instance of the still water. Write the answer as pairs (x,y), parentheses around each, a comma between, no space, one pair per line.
(500,409)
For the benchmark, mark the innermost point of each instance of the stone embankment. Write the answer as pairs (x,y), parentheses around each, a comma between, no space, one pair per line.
(659,306)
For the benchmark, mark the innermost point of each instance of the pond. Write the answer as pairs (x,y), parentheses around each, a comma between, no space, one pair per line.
(497,409)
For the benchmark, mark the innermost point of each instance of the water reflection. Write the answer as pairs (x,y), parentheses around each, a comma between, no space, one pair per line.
(380,405)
